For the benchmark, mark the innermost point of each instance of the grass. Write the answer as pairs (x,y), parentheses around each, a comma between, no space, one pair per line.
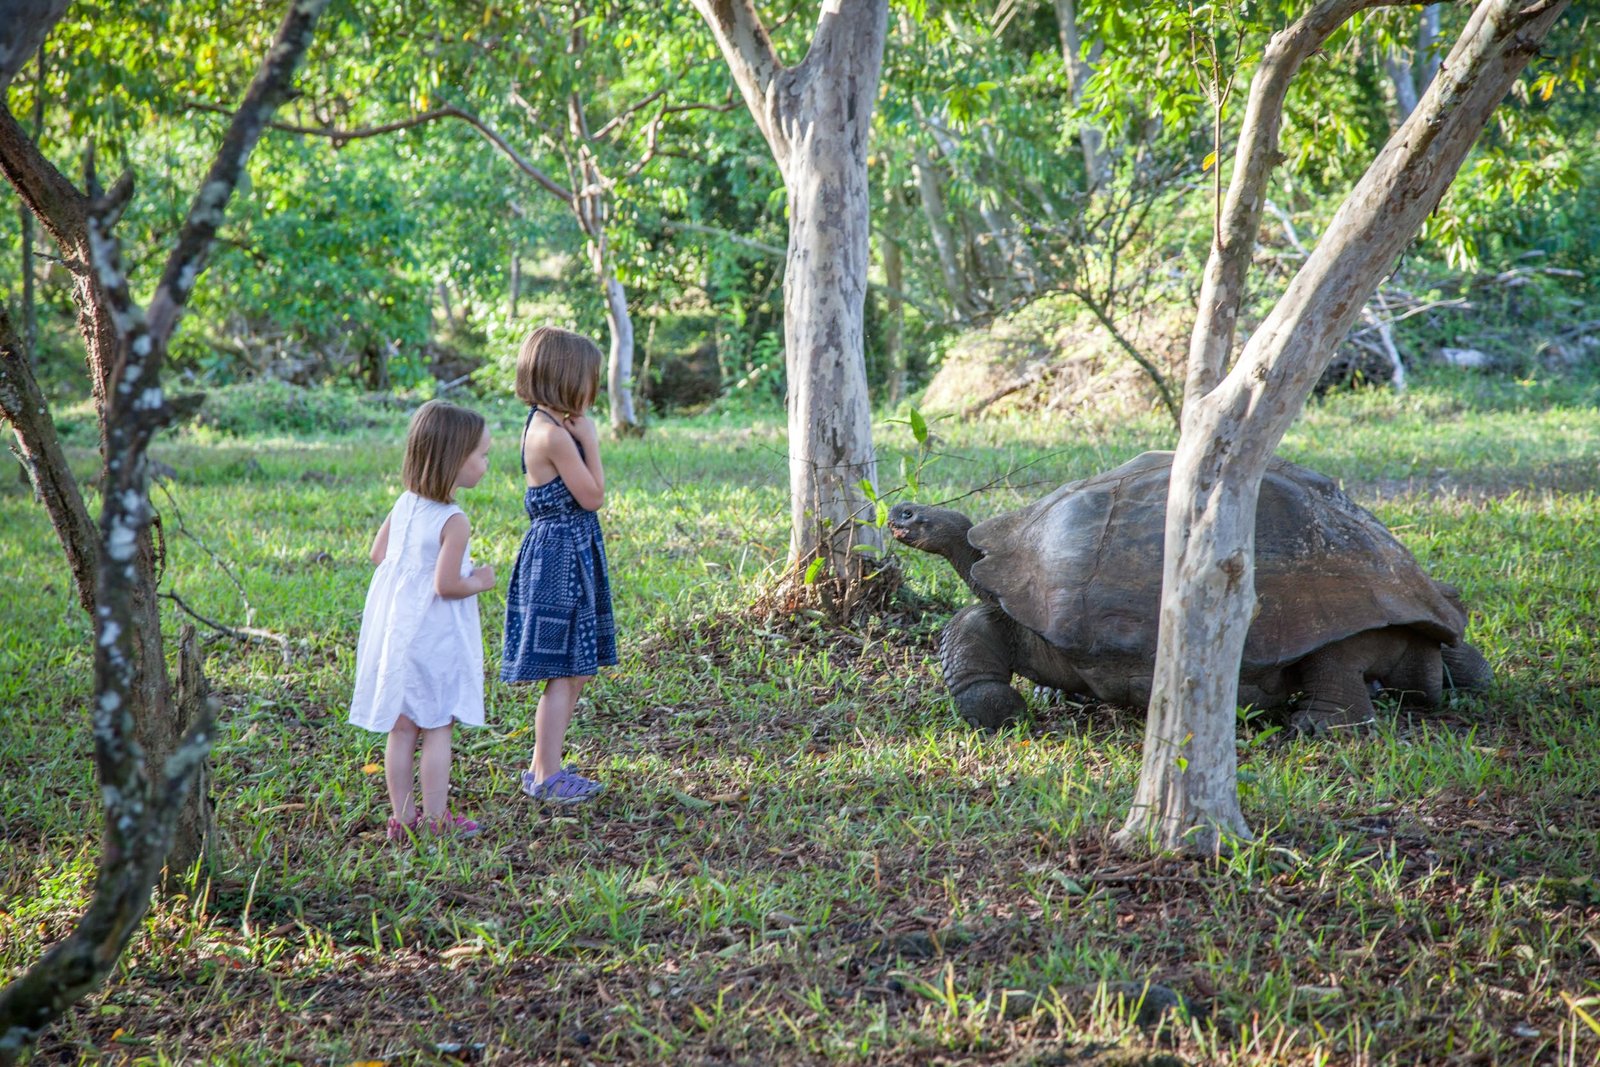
(803,857)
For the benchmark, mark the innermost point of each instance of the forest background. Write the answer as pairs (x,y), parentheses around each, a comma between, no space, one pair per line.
(1043,192)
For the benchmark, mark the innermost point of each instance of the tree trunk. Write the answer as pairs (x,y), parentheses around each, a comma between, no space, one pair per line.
(63,210)
(956,284)
(590,207)
(1015,265)
(1427,39)
(1079,70)
(24,26)
(619,362)
(514,290)
(619,374)
(1187,795)
(26,409)
(824,302)
(817,118)
(140,810)
(1398,66)
(1411,74)
(894,349)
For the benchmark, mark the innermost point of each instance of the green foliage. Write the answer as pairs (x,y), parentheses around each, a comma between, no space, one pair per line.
(327,256)
(334,255)
(275,409)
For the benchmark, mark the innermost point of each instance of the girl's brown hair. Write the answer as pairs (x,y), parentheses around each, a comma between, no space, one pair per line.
(558,369)
(441,438)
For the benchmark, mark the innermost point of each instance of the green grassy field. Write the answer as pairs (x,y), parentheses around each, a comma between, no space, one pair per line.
(802,856)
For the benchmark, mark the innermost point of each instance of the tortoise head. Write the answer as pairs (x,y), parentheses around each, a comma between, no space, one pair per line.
(941,531)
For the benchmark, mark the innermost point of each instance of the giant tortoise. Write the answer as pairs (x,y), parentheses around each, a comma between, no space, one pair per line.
(1071,585)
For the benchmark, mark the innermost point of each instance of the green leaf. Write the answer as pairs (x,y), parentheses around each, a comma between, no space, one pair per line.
(690,802)
(815,570)
(908,473)
(919,427)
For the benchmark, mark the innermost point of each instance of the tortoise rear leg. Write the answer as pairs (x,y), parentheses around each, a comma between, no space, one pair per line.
(1466,668)
(1333,681)
(976,651)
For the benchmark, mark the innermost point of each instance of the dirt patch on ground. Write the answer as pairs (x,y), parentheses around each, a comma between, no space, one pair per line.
(1050,356)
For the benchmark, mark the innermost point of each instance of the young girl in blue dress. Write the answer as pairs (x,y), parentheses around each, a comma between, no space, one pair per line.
(419,662)
(559,626)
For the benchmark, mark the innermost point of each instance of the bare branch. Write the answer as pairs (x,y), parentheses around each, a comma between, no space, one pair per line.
(342,136)
(1257,154)
(1159,380)
(24,405)
(756,68)
(238,633)
(625,114)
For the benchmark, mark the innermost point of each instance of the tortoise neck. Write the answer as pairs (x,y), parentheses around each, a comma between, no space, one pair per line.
(962,556)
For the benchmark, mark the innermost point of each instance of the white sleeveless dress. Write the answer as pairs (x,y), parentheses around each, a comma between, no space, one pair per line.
(419,654)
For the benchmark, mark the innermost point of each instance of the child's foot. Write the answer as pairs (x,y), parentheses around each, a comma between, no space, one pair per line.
(564,787)
(401,832)
(453,826)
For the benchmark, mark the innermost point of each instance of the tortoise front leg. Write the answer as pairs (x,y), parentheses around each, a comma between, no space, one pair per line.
(976,652)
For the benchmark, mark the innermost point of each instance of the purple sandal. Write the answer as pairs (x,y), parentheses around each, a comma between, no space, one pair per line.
(564,787)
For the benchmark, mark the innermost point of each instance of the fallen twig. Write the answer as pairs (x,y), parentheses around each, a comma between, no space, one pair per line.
(238,633)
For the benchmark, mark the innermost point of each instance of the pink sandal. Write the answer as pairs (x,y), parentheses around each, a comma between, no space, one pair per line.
(453,826)
(401,832)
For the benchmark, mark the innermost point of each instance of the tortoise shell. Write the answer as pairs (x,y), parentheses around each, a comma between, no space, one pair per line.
(1082,566)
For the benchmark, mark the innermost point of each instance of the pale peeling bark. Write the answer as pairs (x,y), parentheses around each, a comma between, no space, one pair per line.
(1187,794)
(619,374)
(817,117)
(140,810)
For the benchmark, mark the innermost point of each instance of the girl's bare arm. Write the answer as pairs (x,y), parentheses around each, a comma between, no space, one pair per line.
(380,544)
(582,473)
(447,579)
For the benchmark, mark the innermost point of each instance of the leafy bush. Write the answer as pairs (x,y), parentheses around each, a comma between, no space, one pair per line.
(272,408)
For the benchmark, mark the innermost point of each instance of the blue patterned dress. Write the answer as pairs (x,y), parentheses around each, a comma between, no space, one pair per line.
(558,602)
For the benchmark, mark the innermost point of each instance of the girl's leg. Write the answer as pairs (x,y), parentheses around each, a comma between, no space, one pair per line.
(550,724)
(398,760)
(435,772)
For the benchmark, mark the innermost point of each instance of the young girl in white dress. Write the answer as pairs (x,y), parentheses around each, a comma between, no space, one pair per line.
(419,662)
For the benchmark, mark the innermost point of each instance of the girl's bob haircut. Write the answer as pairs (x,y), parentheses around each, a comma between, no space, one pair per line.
(559,370)
(441,438)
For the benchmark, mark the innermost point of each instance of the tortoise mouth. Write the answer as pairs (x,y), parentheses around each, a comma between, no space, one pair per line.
(898,532)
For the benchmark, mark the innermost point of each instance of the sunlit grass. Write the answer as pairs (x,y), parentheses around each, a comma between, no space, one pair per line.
(802,857)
